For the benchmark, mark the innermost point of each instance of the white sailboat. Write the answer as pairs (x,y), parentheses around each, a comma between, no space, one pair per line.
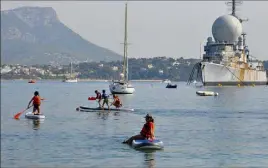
(123,86)
(70,79)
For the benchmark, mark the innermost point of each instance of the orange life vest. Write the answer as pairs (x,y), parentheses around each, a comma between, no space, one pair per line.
(146,130)
(36,100)
(117,100)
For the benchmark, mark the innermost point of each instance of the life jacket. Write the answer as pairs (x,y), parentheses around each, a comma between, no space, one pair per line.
(36,100)
(98,96)
(104,96)
(117,100)
(146,130)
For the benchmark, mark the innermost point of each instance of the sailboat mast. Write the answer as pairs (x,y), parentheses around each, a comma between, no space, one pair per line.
(125,68)
(71,69)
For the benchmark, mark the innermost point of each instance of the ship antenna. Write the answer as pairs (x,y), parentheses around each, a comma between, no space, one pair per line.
(234,4)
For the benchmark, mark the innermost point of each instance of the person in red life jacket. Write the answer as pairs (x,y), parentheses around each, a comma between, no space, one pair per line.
(147,131)
(98,97)
(36,103)
(117,103)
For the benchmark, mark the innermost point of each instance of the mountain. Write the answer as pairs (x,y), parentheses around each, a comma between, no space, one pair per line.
(35,35)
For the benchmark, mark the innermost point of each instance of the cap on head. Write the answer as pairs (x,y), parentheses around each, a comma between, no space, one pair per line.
(103,91)
(36,93)
(148,116)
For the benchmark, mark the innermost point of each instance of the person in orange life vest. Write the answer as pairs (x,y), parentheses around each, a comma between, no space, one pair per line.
(98,97)
(147,131)
(117,103)
(36,103)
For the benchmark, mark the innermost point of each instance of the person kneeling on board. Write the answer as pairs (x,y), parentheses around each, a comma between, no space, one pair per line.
(105,98)
(147,131)
(117,103)
(36,103)
(98,97)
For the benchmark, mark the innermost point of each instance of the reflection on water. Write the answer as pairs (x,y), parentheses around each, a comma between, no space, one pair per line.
(36,123)
(103,114)
(149,159)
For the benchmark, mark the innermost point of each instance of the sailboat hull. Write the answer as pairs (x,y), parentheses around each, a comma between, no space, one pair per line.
(119,88)
(70,80)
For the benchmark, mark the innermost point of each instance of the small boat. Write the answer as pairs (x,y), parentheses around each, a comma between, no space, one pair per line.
(147,144)
(71,78)
(121,87)
(166,81)
(171,85)
(31,81)
(207,93)
(30,115)
(89,109)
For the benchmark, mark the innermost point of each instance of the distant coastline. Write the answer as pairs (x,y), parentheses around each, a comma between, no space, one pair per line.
(85,80)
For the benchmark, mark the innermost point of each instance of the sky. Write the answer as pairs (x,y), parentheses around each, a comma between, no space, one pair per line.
(155,28)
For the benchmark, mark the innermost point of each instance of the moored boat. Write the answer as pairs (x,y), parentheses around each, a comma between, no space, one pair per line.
(169,85)
(207,93)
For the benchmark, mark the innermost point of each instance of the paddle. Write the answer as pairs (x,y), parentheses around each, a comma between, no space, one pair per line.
(17,116)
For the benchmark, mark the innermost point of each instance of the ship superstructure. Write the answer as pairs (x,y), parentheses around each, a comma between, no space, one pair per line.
(227,60)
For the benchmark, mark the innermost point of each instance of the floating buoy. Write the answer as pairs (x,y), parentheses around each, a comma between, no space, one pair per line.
(207,93)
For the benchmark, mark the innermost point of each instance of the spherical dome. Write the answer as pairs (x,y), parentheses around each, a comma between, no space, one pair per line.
(226,28)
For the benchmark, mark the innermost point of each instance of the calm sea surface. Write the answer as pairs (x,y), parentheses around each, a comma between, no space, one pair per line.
(230,130)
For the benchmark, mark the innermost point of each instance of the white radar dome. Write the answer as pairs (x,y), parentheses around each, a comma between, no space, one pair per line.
(226,28)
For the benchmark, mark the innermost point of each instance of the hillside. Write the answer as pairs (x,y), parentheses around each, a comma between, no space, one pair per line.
(35,35)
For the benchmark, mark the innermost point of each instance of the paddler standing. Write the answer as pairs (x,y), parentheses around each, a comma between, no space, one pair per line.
(98,97)
(105,98)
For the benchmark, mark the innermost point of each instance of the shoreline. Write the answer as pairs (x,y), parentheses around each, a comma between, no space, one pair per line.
(87,80)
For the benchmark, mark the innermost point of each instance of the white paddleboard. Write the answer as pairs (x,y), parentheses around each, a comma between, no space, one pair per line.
(146,144)
(30,115)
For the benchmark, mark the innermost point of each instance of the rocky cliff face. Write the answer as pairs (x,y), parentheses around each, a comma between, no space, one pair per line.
(35,35)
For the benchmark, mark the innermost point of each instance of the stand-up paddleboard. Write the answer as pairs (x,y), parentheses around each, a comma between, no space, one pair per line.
(147,144)
(30,115)
(207,93)
(89,109)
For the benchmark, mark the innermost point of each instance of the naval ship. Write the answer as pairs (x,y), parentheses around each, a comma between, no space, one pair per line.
(226,59)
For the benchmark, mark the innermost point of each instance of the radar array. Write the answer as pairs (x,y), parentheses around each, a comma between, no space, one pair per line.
(234,4)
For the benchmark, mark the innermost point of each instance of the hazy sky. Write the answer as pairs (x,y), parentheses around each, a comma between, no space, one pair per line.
(156,28)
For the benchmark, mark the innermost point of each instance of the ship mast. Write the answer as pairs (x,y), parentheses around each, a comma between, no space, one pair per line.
(125,66)
(234,4)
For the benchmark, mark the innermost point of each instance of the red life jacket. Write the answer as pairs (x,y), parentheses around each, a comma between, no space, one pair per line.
(36,100)
(98,96)
(146,130)
(117,100)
